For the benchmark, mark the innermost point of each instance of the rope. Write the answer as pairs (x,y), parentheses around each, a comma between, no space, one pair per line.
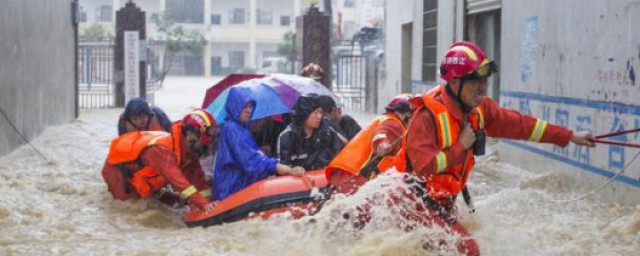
(606,183)
(6,117)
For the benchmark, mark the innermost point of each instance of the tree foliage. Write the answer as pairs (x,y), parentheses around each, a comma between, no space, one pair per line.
(286,47)
(176,39)
(96,32)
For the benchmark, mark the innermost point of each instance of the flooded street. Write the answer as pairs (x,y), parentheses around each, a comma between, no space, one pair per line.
(60,206)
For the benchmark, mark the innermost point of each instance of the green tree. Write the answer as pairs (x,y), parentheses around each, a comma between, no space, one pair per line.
(286,47)
(96,32)
(176,39)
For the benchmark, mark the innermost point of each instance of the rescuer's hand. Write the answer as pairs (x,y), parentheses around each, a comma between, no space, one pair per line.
(583,138)
(383,148)
(201,202)
(467,137)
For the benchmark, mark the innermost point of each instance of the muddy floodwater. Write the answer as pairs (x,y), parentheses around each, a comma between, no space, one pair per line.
(60,206)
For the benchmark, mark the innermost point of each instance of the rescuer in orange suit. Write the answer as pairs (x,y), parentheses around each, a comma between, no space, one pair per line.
(374,149)
(449,127)
(140,164)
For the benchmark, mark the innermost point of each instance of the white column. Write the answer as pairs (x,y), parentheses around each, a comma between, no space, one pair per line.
(207,58)
(163,5)
(207,12)
(296,10)
(115,6)
(207,49)
(252,41)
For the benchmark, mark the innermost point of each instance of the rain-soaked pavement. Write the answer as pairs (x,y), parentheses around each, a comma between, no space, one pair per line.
(61,207)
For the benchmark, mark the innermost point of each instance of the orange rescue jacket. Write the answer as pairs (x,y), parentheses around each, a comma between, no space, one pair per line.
(127,149)
(359,152)
(449,180)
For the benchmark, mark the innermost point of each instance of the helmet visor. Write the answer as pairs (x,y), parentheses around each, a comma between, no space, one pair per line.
(485,70)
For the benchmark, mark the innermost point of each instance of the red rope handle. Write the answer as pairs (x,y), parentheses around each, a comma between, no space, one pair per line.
(612,134)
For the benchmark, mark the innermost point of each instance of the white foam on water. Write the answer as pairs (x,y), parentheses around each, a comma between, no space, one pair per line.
(63,208)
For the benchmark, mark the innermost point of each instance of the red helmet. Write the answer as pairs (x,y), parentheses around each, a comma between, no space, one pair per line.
(465,60)
(199,121)
(400,103)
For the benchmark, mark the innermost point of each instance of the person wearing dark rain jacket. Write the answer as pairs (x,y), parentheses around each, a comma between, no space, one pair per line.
(239,162)
(345,125)
(139,116)
(308,141)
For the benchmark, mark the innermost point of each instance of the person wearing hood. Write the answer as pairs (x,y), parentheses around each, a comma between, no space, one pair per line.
(139,116)
(239,161)
(345,125)
(308,141)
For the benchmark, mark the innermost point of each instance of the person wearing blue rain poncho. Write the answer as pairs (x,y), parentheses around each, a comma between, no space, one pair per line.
(240,162)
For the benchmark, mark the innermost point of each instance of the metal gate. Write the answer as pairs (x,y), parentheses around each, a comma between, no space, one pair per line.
(351,81)
(95,74)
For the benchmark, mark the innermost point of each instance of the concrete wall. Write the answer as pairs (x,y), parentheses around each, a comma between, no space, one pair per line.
(396,16)
(574,63)
(37,87)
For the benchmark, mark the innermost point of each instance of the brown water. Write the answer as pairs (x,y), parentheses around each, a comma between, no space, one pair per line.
(62,207)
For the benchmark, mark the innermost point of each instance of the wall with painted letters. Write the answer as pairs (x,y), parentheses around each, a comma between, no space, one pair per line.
(574,63)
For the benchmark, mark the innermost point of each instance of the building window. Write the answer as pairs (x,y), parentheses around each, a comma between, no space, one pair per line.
(236,59)
(237,16)
(215,19)
(264,17)
(186,11)
(430,41)
(349,3)
(104,13)
(285,21)
(83,15)
(216,65)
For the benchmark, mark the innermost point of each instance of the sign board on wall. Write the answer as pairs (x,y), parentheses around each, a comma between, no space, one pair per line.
(131,65)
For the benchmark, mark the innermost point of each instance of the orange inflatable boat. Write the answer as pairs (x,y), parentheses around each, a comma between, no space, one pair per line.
(299,196)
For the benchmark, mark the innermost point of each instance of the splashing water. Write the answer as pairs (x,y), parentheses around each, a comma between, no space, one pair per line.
(65,209)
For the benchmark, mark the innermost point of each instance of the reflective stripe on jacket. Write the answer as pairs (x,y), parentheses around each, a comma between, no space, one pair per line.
(359,152)
(449,179)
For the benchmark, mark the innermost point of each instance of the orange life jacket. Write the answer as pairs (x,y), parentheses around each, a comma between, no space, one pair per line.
(153,125)
(127,148)
(449,180)
(359,151)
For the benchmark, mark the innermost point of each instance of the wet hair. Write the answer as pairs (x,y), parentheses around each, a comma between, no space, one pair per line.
(137,107)
(326,103)
(303,108)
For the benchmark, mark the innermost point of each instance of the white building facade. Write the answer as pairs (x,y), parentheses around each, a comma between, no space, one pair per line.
(240,33)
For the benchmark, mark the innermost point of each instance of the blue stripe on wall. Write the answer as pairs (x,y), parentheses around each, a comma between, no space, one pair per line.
(600,105)
(597,105)
(608,174)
